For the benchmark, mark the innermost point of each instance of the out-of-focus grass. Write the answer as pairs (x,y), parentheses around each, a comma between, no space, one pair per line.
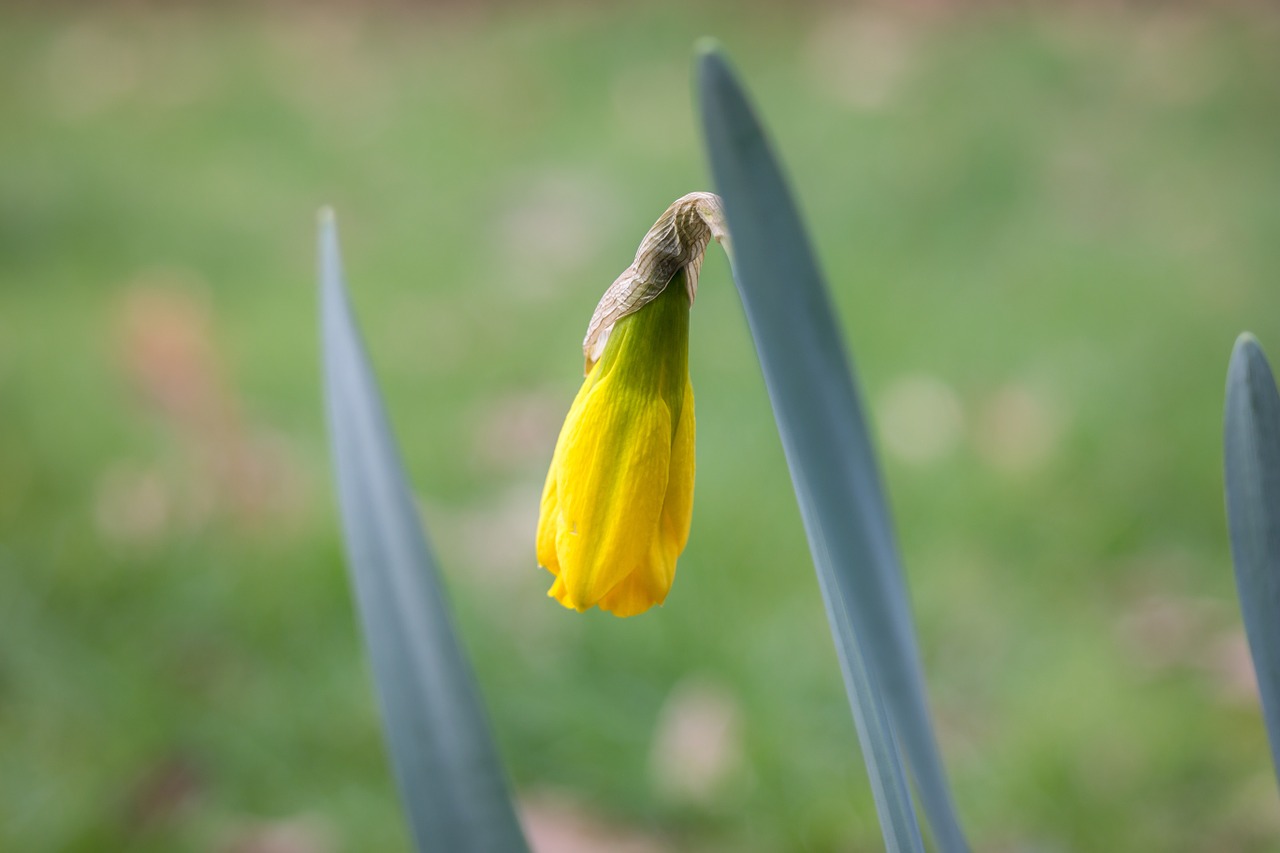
(1043,232)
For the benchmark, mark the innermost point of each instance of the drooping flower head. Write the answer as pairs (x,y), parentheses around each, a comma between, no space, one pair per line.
(618,499)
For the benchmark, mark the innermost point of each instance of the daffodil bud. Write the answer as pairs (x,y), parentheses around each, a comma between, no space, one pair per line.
(618,499)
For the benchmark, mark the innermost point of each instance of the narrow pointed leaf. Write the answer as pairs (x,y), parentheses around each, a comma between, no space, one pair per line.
(1252,469)
(446,766)
(833,467)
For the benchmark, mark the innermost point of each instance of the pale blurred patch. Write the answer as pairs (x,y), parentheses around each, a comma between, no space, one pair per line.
(697,743)
(88,71)
(1162,631)
(306,833)
(1165,634)
(168,352)
(1227,663)
(133,505)
(920,419)
(555,823)
(1018,429)
(861,56)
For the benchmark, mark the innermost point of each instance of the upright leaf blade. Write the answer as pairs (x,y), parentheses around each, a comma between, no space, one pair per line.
(447,769)
(1252,475)
(833,468)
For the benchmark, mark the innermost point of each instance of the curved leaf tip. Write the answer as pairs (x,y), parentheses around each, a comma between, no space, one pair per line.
(1251,467)
(1247,358)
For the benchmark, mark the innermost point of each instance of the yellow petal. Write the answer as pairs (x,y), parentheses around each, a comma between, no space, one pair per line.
(549,514)
(611,482)
(547,525)
(650,581)
(557,592)
(677,509)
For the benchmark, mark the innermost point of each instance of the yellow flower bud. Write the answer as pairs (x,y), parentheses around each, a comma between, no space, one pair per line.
(618,499)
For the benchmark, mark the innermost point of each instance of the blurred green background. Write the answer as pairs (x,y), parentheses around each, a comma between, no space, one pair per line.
(1043,231)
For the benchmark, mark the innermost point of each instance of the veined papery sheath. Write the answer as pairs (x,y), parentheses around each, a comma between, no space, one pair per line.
(618,499)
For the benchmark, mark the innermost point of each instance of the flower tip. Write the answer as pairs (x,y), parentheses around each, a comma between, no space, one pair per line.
(560,592)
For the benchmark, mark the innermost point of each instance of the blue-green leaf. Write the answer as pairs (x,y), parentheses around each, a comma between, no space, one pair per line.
(1252,469)
(446,766)
(833,467)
